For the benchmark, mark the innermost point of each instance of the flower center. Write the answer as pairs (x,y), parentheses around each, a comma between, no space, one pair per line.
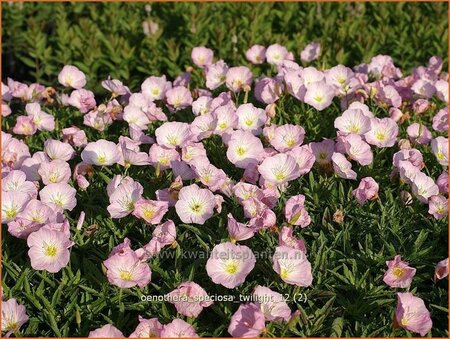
(223,125)
(284,273)
(50,251)
(53,177)
(196,207)
(354,128)
(240,151)
(11,213)
(398,272)
(280,175)
(318,98)
(231,267)
(248,122)
(380,136)
(101,159)
(172,140)
(149,213)
(155,91)
(126,275)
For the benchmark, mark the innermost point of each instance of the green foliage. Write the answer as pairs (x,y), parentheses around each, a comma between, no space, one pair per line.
(108,39)
(348,297)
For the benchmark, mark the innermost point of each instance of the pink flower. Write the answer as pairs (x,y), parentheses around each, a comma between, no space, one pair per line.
(82,99)
(56,171)
(124,268)
(147,328)
(396,114)
(244,149)
(442,90)
(163,235)
(383,132)
(106,331)
(97,120)
(268,90)
(42,120)
(272,304)
(229,264)
(440,120)
(150,210)
(173,134)
(247,322)
(49,250)
(251,118)
(216,74)
(287,238)
(441,270)
(304,157)
(136,117)
(420,106)
(358,149)
(101,153)
(367,190)
(353,121)
(310,52)
(442,182)
(423,187)
(238,231)
(12,203)
(319,95)
(131,154)
(37,212)
(279,169)
(238,77)
(312,75)
(71,76)
(287,136)
(178,329)
(439,146)
(276,53)
(161,157)
(202,56)
(115,86)
(412,314)
(412,155)
(292,266)
(423,88)
(189,299)
(419,133)
(438,206)
(202,105)
(209,175)
(155,88)
(16,181)
(342,166)
(195,205)
(295,212)
(6,110)
(398,274)
(61,195)
(24,125)
(14,316)
(75,136)
(407,171)
(56,149)
(256,54)
(179,97)
(123,199)
(340,76)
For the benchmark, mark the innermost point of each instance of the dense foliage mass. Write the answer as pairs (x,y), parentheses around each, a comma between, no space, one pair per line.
(275,184)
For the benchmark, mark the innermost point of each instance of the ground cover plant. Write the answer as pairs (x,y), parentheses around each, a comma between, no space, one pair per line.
(278,184)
